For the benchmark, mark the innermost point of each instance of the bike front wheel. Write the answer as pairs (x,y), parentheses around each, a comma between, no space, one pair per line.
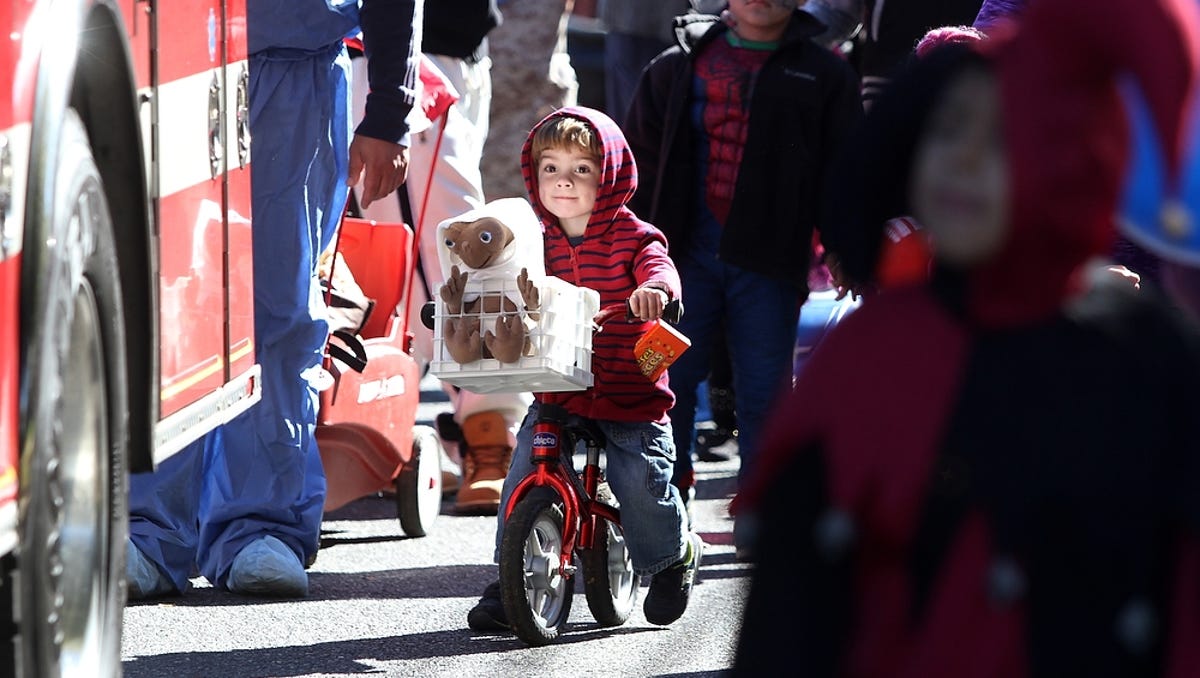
(536,595)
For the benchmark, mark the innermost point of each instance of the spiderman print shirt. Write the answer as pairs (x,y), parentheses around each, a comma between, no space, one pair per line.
(722,85)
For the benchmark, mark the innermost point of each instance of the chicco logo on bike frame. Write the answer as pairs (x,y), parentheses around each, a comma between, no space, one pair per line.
(545,440)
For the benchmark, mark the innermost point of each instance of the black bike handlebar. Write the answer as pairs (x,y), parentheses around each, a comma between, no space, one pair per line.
(672,312)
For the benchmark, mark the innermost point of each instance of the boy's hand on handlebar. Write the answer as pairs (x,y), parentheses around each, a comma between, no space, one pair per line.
(646,303)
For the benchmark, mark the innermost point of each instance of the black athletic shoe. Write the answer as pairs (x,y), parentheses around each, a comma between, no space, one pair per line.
(488,613)
(715,444)
(670,589)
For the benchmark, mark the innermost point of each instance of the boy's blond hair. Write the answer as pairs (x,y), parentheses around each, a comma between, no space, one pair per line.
(568,133)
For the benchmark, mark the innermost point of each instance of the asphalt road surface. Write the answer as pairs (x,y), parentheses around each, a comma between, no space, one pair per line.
(384,604)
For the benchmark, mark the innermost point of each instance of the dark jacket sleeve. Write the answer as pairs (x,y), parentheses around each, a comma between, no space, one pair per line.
(843,112)
(393,50)
(646,128)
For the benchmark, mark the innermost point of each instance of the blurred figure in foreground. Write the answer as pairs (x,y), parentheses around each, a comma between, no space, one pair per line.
(1014,491)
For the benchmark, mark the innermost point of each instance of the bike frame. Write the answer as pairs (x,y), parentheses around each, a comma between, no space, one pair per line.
(581,509)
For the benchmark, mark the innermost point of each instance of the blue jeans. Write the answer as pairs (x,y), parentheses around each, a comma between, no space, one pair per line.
(818,316)
(638,462)
(759,317)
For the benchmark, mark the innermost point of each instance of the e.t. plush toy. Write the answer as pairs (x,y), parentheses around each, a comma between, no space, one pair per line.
(500,241)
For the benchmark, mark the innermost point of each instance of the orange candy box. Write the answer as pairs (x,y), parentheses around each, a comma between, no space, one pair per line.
(658,347)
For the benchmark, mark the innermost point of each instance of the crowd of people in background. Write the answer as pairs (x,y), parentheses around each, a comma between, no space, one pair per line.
(989,468)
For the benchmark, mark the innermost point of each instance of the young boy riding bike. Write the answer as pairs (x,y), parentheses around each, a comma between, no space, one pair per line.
(580,172)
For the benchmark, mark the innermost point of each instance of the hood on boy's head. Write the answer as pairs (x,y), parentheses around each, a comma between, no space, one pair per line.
(618,172)
(521,246)
(1067,137)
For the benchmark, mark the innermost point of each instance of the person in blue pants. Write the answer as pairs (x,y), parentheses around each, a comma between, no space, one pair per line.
(244,504)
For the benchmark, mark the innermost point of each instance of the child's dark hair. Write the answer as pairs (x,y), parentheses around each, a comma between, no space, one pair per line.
(566,132)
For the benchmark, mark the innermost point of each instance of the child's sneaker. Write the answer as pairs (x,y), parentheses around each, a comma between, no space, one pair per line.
(488,613)
(670,589)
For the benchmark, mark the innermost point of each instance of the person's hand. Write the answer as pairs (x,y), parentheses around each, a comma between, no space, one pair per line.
(647,303)
(840,282)
(381,166)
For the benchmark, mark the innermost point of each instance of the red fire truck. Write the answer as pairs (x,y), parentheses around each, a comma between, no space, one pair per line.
(126,324)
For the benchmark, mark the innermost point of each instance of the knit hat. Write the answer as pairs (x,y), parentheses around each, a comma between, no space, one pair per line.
(1067,136)
(1161,206)
(994,12)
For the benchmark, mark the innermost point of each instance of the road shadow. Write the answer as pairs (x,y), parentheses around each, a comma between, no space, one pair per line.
(379,506)
(438,581)
(348,657)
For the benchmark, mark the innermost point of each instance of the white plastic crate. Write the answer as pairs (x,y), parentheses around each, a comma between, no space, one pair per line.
(560,338)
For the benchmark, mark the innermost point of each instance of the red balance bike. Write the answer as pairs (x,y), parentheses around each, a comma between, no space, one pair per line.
(555,513)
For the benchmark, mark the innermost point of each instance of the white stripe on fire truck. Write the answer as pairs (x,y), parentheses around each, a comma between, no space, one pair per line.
(183,128)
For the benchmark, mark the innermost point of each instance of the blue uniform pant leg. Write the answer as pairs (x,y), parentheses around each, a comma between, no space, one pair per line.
(164,508)
(518,468)
(703,303)
(266,478)
(762,315)
(638,461)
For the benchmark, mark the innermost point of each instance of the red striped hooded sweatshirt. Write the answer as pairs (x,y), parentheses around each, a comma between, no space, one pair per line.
(619,253)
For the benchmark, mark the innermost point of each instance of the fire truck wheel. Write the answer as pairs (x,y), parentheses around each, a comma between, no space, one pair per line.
(419,485)
(73,513)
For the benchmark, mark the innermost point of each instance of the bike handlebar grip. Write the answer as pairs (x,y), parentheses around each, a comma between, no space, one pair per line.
(427,310)
(672,312)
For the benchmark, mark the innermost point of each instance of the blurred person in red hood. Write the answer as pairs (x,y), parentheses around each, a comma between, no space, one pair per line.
(1014,490)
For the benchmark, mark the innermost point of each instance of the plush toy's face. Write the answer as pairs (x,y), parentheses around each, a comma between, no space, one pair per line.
(477,243)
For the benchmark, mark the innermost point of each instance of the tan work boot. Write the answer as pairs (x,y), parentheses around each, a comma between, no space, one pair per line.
(486,454)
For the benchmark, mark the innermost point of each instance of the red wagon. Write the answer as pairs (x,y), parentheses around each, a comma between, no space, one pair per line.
(366,427)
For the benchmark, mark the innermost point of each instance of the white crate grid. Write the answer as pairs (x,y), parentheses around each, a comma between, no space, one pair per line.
(560,337)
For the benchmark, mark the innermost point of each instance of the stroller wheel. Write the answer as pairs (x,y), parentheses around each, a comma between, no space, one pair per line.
(419,485)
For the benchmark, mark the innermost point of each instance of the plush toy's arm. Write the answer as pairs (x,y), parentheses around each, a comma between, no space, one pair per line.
(529,294)
(452,292)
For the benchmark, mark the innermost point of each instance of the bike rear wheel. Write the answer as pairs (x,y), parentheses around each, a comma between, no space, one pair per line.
(536,596)
(608,578)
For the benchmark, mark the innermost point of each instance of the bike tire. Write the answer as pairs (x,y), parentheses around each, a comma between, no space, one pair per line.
(537,600)
(608,578)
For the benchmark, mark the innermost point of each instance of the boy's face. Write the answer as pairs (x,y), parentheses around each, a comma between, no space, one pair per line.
(568,179)
(959,188)
(761,15)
